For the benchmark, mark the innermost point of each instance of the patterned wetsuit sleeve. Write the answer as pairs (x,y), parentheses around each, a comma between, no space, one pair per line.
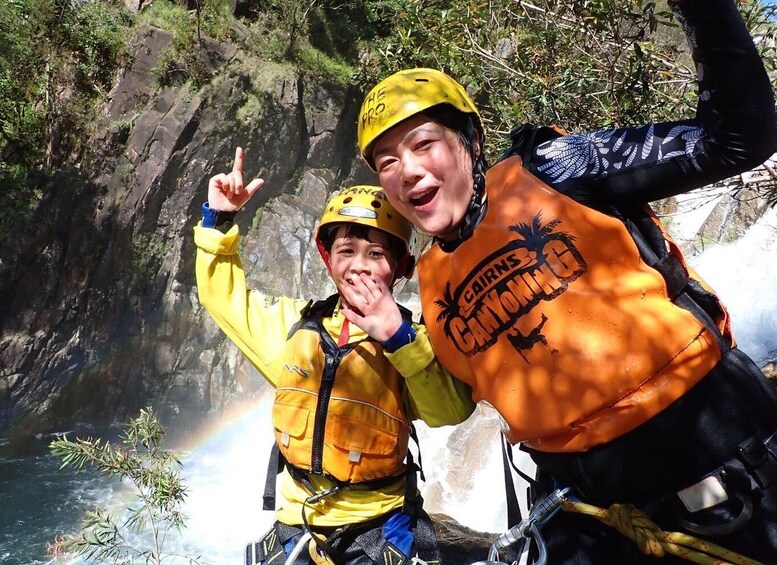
(734,129)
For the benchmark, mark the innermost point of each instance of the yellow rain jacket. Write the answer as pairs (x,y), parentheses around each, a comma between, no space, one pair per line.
(259,325)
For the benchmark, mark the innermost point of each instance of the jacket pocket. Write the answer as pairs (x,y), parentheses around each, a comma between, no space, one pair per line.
(350,434)
(291,433)
(365,451)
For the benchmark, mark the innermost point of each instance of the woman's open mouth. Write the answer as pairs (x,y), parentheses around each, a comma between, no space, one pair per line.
(423,199)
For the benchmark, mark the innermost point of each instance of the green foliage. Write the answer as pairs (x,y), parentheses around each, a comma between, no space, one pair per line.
(95,36)
(185,59)
(22,84)
(147,256)
(166,14)
(320,64)
(15,181)
(214,18)
(321,38)
(49,49)
(139,535)
(581,64)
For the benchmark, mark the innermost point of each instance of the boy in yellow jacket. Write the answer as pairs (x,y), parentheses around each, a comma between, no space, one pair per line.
(350,372)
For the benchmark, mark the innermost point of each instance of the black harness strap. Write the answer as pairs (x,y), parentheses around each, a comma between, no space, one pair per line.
(426,545)
(270,548)
(513,508)
(683,291)
(760,458)
(274,467)
(674,274)
(383,552)
(753,468)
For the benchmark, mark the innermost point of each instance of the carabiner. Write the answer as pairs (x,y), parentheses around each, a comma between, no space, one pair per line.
(530,527)
(542,558)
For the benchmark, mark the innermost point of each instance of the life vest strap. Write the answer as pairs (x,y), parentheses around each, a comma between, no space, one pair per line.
(674,274)
(274,467)
(277,462)
(682,290)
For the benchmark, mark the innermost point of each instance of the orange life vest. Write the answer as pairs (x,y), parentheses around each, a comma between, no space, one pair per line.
(338,412)
(551,315)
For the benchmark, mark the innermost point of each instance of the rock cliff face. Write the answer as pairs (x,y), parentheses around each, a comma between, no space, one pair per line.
(100,314)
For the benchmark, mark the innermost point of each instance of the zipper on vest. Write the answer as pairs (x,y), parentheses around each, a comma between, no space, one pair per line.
(332,360)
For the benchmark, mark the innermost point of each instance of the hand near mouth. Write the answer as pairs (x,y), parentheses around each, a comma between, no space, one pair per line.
(371,306)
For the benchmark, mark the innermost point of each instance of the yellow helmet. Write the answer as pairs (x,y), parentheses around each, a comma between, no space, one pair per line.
(405,94)
(368,206)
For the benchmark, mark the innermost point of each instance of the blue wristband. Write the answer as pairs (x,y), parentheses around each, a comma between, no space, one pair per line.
(212,218)
(405,334)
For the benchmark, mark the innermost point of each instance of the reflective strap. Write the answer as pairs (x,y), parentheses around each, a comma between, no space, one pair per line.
(705,494)
(391,555)
(270,548)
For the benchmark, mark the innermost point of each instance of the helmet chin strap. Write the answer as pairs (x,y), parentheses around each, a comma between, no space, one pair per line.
(476,209)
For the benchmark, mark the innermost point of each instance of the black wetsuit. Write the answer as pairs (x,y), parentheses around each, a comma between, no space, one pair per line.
(719,426)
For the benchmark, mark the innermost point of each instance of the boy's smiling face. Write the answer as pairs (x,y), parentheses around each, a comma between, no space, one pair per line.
(351,256)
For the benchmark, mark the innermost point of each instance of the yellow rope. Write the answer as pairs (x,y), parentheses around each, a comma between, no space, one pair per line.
(318,557)
(652,540)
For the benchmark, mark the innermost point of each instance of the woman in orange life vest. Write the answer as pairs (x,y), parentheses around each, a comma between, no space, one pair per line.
(345,393)
(553,291)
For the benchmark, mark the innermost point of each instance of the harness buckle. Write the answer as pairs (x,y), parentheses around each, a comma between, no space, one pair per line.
(760,459)
(737,483)
(323,494)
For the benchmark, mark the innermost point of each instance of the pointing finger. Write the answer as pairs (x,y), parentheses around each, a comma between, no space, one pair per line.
(238,166)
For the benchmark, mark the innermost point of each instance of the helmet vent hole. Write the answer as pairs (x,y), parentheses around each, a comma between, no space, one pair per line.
(347,200)
(422,80)
(375,204)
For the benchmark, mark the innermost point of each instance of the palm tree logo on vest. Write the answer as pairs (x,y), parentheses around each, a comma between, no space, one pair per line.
(501,292)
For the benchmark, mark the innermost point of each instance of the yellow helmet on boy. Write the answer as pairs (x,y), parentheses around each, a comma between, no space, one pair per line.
(368,206)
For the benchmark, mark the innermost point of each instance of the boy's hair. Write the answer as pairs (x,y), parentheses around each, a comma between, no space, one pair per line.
(327,237)
(367,207)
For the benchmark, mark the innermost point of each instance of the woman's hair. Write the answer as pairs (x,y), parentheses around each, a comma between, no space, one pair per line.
(459,122)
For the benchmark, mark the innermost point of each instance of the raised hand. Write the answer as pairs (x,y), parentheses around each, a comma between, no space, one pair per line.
(226,191)
(371,306)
